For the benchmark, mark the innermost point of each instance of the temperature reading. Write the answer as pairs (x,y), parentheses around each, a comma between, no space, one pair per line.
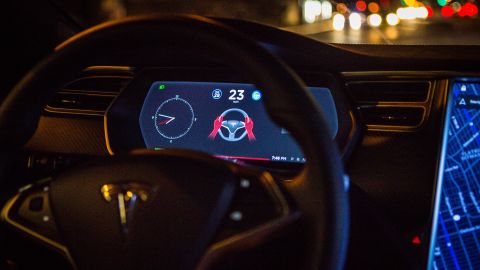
(236,95)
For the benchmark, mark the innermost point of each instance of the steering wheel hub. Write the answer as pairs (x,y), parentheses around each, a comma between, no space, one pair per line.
(143,207)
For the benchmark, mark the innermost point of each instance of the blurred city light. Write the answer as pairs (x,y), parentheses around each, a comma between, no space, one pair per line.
(374,20)
(468,9)
(311,9)
(430,11)
(342,8)
(472,9)
(375,13)
(447,11)
(326,10)
(355,21)
(373,7)
(392,19)
(408,13)
(338,22)
(421,12)
(456,6)
(442,2)
(385,3)
(361,5)
(410,3)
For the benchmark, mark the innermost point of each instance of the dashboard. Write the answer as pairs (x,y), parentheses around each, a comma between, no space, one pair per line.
(226,118)
(386,107)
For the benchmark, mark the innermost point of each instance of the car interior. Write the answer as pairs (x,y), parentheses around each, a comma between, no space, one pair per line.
(189,142)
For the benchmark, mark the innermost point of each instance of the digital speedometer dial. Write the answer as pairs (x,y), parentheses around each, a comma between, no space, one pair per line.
(174,118)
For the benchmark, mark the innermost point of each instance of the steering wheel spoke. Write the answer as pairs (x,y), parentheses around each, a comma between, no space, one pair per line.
(258,201)
(259,211)
(29,211)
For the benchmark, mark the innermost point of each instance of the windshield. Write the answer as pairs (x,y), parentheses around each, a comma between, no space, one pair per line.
(431,22)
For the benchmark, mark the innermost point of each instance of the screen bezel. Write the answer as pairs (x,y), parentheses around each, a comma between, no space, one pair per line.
(449,105)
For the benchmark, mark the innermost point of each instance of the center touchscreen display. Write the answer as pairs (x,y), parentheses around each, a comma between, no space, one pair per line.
(456,225)
(227,120)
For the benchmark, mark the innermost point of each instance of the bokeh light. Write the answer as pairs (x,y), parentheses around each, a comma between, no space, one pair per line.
(392,19)
(442,2)
(410,3)
(430,11)
(355,21)
(468,9)
(421,12)
(342,8)
(447,11)
(373,7)
(327,10)
(311,9)
(374,20)
(338,22)
(361,5)
(456,6)
(408,13)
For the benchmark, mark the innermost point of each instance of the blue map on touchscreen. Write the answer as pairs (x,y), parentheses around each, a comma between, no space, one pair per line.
(457,243)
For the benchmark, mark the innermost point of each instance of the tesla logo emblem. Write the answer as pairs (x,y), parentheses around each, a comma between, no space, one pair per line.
(127,196)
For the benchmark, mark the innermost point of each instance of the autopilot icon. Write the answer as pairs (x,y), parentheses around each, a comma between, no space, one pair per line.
(216,94)
(233,130)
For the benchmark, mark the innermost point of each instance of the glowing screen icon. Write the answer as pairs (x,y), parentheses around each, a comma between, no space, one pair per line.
(233,128)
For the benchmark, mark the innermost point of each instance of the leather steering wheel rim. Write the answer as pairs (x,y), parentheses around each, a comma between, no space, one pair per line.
(319,190)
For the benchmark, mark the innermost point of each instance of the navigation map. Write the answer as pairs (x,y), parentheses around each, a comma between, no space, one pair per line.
(458,225)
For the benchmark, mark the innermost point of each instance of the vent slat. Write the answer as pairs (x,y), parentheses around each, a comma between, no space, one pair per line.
(110,84)
(90,94)
(392,116)
(79,101)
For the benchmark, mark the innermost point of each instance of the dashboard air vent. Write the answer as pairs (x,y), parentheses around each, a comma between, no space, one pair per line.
(391,116)
(91,93)
(394,105)
(389,91)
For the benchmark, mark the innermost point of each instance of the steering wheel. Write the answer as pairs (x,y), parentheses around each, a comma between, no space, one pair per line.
(177,209)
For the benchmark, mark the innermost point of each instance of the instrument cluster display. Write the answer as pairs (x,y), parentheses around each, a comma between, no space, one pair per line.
(227,120)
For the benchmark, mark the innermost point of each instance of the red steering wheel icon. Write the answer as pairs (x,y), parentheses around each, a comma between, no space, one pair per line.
(231,130)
